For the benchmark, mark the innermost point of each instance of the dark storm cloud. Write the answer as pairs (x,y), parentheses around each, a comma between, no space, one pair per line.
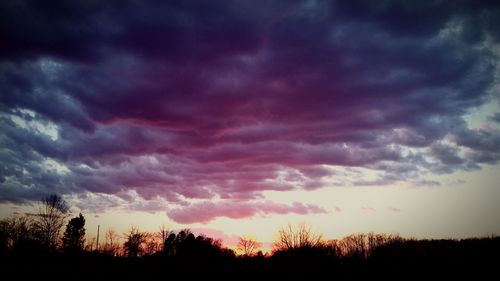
(203,99)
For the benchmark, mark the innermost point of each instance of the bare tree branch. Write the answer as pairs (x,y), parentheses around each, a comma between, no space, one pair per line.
(294,237)
(248,246)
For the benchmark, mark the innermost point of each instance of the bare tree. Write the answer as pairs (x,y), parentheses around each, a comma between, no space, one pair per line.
(362,245)
(332,248)
(90,243)
(164,233)
(152,243)
(50,218)
(376,241)
(111,242)
(294,237)
(16,233)
(166,238)
(354,246)
(248,246)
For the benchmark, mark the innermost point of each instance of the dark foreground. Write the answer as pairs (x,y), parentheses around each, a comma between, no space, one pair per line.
(476,259)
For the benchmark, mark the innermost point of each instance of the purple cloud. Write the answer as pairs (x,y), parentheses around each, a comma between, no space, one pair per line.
(198,100)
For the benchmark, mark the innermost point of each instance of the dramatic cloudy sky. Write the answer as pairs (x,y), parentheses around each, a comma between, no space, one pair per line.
(355,115)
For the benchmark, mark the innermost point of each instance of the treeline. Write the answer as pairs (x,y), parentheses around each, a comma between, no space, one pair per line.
(298,252)
(41,233)
(24,235)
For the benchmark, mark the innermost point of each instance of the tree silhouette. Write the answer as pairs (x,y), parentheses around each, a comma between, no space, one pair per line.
(185,243)
(361,245)
(248,246)
(164,235)
(111,246)
(74,236)
(169,245)
(134,246)
(49,220)
(152,243)
(17,234)
(295,237)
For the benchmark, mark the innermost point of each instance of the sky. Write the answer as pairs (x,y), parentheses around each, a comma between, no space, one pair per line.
(237,117)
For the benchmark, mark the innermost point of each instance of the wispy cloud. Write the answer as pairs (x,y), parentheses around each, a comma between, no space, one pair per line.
(207,211)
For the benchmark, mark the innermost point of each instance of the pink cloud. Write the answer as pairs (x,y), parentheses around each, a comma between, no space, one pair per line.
(239,105)
(227,240)
(207,211)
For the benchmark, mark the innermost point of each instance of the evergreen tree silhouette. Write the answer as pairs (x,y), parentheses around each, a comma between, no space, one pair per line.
(74,236)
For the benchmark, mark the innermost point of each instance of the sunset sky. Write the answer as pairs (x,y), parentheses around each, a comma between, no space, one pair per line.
(237,117)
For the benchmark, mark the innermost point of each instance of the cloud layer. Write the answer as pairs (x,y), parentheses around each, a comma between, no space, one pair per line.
(205,212)
(201,100)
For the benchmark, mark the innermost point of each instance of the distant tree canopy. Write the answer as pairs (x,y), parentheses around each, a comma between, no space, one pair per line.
(74,236)
(186,244)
